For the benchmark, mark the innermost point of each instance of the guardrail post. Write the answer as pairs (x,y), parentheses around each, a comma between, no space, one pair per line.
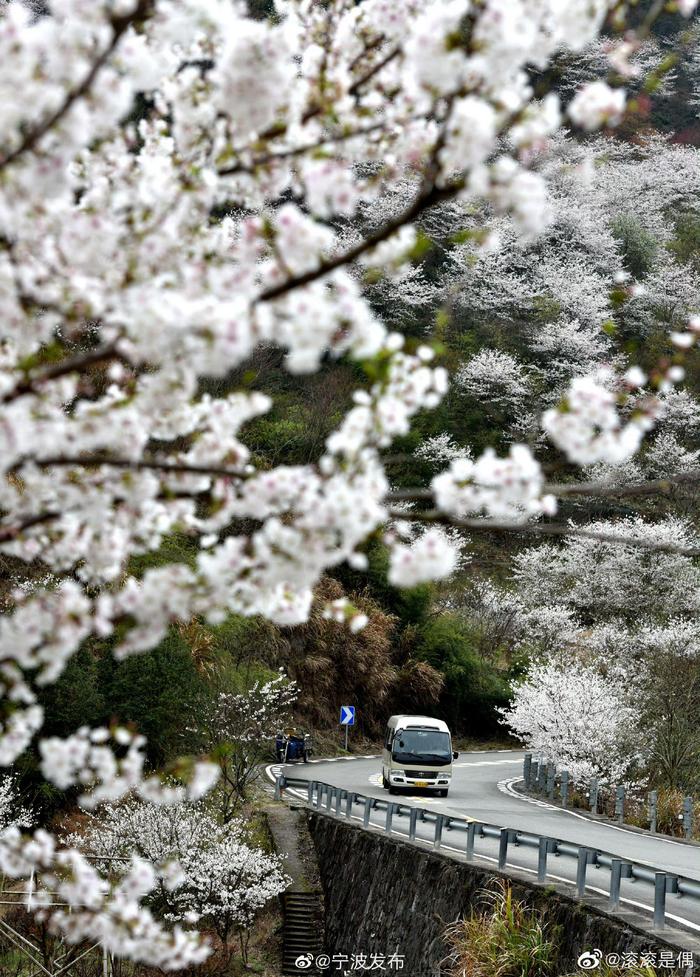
(527,769)
(551,775)
(503,847)
(338,800)
(593,795)
(583,856)
(541,776)
(653,803)
(329,798)
(439,822)
(564,787)
(350,797)
(615,876)
(659,900)
(279,786)
(319,795)
(542,851)
(389,817)
(368,808)
(310,793)
(471,833)
(688,816)
(620,803)
(413,817)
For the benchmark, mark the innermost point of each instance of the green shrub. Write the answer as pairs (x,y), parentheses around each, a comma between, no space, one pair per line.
(639,247)
(474,687)
(685,245)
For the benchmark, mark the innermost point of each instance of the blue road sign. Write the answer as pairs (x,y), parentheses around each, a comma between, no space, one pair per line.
(347,715)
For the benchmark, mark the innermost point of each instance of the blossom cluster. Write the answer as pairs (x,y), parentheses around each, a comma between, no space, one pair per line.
(89,759)
(509,488)
(578,719)
(202,870)
(74,898)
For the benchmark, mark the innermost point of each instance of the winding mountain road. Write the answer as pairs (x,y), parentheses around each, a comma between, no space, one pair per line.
(482,790)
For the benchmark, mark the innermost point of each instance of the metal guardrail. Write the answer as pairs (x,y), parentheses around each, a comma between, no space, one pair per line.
(341,803)
(544,777)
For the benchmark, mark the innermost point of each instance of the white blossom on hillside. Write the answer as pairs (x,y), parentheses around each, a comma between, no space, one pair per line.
(494,377)
(440,449)
(604,579)
(578,719)
(12,810)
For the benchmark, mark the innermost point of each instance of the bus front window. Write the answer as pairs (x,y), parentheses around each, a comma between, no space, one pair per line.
(422,746)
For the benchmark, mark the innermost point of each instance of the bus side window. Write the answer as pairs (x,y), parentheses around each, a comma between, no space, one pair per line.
(387,739)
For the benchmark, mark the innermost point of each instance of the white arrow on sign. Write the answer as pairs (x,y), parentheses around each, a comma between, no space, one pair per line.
(347,715)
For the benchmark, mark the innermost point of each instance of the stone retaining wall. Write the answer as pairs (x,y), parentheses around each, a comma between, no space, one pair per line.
(384,895)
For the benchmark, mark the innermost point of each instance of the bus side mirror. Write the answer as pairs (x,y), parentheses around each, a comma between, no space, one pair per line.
(455,755)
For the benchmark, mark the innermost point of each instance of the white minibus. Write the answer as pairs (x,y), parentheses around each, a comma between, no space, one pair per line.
(417,753)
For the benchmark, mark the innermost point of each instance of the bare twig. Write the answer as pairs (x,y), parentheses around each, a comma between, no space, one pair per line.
(374,70)
(601,490)
(539,529)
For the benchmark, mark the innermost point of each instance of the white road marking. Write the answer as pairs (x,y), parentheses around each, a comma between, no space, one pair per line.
(506,787)
(487,763)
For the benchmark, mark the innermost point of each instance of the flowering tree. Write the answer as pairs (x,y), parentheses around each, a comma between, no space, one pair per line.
(578,719)
(237,728)
(12,810)
(495,377)
(206,871)
(176,184)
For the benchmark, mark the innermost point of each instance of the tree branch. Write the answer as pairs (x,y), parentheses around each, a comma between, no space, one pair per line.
(540,529)
(657,486)
(374,70)
(8,533)
(72,364)
(601,490)
(429,195)
(293,151)
(141,464)
(119,27)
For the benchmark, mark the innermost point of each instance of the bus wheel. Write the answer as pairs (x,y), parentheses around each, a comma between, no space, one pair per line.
(385,783)
(442,793)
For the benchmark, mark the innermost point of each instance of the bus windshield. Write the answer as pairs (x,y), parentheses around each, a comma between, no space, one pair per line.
(422,746)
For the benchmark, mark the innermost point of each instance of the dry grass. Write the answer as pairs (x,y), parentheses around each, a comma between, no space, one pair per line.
(503,939)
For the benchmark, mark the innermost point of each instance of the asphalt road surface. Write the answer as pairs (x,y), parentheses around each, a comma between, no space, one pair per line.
(482,790)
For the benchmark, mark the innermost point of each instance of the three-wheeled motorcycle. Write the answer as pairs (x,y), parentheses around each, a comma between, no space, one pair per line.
(291,746)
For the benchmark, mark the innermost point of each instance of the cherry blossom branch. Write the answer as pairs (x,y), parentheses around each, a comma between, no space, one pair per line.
(293,151)
(72,364)
(540,529)
(133,464)
(657,486)
(429,195)
(119,24)
(12,532)
(374,70)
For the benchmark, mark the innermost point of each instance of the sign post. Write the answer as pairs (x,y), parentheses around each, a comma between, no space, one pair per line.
(347,719)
